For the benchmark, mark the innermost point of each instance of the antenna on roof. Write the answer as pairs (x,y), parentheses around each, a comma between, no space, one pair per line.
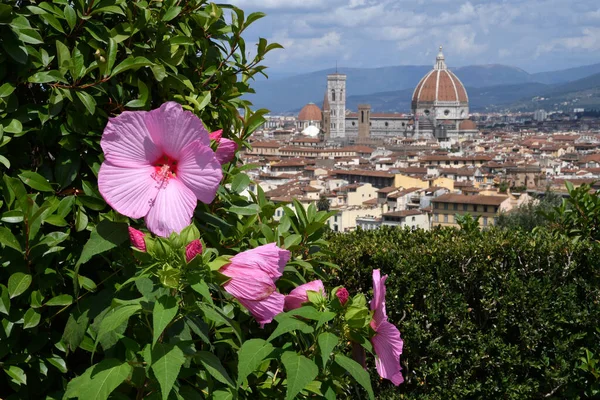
(336,67)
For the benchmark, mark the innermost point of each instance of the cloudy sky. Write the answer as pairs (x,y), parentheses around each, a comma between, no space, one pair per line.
(536,35)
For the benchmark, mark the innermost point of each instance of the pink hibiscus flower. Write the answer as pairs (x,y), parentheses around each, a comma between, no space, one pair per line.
(253,274)
(157,165)
(226,148)
(387,342)
(298,295)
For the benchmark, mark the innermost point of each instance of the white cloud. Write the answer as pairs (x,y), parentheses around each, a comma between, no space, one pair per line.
(589,40)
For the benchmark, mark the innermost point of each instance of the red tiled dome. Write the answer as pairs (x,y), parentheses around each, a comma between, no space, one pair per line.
(440,85)
(310,112)
(467,125)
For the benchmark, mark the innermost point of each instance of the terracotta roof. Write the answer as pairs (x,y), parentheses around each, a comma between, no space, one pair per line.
(370,202)
(358,172)
(467,125)
(403,213)
(440,85)
(403,192)
(388,189)
(464,199)
(310,112)
(266,144)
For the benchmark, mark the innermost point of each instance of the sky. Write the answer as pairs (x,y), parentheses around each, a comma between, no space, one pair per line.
(535,35)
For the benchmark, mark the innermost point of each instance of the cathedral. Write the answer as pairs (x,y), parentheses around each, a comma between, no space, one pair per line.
(440,109)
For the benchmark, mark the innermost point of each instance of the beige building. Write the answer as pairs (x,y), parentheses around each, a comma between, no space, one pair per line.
(445,208)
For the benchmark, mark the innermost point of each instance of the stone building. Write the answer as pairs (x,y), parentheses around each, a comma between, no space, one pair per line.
(310,115)
(335,106)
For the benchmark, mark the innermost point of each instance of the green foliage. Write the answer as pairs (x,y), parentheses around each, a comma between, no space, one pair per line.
(531,214)
(85,316)
(579,214)
(496,314)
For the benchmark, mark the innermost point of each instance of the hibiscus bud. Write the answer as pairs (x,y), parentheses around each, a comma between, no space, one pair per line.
(216,135)
(137,239)
(192,250)
(342,295)
(299,295)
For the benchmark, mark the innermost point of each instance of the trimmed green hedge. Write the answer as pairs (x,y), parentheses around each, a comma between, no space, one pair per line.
(500,314)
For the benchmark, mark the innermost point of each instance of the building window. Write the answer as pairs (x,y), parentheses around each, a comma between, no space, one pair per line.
(332,94)
(353,124)
(485,221)
(485,209)
(362,117)
(335,219)
(413,218)
(465,207)
(475,207)
(426,112)
(446,218)
(446,112)
(436,217)
(387,124)
(495,209)
(445,206)
(455,206)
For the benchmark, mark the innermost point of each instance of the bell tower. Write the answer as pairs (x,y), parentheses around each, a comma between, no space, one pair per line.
(336,95)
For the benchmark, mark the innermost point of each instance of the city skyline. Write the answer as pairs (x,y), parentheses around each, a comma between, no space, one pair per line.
(377,33)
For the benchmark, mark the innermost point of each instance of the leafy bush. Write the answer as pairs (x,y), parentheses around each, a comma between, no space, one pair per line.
(85,316)
(484,315)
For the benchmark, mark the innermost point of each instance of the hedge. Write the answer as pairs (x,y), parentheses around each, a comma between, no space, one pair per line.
(500,314)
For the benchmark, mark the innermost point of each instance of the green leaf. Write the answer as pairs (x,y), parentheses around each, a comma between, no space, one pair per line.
(300,372)
(14,126)
(111,55)
(3,160)
(35,181)
(18,283)
(130,63)
(4,300)
(213,366)
(327,342)
(8,239)
(70,16)
(31,319)
(357,372)
(88,101)
(165,309)
(288,325)
(106,236)
(166,363)
(30,36)
(75,330)
(115,318)
(6,90)
(81,220)
(99,381)
(250,356)
(171,13)
(240,183)
(61,300)
(17,374)
(15,48)
(250,209)
(46,77)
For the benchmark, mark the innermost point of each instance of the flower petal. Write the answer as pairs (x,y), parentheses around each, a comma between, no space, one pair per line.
(129,191)
(298,295)
(251,285)
(268,258)
(200,171)
(172,128)
(378,301)
(172,209)
(388,347)
(126,141)
(265,310)
(226,150)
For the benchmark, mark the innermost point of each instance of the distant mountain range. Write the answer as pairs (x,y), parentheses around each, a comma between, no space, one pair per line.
(390,88)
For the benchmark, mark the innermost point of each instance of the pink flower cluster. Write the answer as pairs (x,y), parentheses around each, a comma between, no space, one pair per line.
(158,164)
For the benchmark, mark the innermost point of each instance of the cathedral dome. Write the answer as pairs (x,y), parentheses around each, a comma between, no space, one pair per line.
(440,85)
(467,125)
(310,112)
